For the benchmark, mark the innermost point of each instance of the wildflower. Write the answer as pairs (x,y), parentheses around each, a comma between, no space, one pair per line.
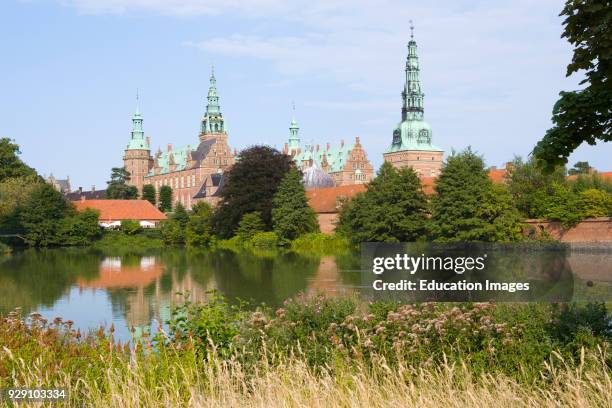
(280,312)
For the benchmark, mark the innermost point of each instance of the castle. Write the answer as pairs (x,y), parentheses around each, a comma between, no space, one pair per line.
(344,165)
(411,144)
(194,172)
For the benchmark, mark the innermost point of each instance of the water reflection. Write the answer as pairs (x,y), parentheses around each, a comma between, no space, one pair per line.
(136,291)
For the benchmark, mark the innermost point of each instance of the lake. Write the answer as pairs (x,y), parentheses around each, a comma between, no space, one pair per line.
(92,288)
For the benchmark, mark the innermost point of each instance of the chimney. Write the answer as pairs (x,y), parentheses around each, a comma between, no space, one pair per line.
(328,146)
(93,188)
(286,149)
(342,143)
(80,190)
(357,141)
(169,147)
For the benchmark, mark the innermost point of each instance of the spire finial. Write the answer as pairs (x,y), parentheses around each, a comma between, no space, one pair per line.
(212,70)
(411,30)
(137,102)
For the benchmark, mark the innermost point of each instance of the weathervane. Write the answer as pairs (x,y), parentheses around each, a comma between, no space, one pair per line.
(411,30)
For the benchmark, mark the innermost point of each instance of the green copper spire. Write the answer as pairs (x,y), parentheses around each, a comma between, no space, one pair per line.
(413,132)
(138,140)
(213,119)
(294,139)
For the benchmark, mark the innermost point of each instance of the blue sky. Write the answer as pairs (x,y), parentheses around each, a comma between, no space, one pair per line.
(69,70)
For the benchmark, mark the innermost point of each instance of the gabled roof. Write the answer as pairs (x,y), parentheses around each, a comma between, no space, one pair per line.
(116,210)
(88,195)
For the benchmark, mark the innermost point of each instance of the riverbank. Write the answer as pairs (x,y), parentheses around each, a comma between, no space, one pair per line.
(318,350)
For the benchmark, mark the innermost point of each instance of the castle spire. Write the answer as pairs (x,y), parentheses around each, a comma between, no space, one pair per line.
(412,95)
(213,119)
(137,140)
(294,139)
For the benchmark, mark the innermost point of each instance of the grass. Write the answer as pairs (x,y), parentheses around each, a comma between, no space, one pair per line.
(165,381)
(118,243)
(217,355)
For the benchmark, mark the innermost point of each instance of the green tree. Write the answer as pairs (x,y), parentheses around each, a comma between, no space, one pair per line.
(250,186)
(250,225)
(595,203)
(78,229)
(118,189)
(180,215)
(172,232)
(591,181)
(41,213)
(529,185)
(467,207)
(165,198)
(561,204)
(148,193)
(581,167)
(291,215)
(584,115)
(14,193)
(199,229)
(393,209)
(10,163)
(130,227)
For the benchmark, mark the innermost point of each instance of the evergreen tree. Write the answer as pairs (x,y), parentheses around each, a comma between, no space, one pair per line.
(148,193)
(467,207)
(250,225)
(250,186)
(41,214)
(118,189)
(393,209)
(10,163)
(291,215)
(180,215)
(199,229)
(165,198)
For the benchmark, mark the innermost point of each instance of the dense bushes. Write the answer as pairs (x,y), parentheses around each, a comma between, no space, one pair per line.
(516,339)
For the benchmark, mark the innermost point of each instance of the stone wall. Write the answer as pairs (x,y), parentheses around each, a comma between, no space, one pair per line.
(590,230)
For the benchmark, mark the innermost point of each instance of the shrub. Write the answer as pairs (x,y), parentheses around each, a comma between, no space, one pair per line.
(165,198)
(149,194)
(250,225)
(595,203)
(319,242)
(172,232)
(130,227)
(265,240)
(79,229)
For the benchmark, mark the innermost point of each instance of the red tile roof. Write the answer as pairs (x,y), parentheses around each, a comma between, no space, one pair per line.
(606,175)
(325,200)
(498,175)
(116,210)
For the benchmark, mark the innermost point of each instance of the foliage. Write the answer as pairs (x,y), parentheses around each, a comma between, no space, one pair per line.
(199,229)
(468,207)
(11,165)
(250,187)
(117,243)
(165,198)
(291,215)
(213,325)
(180,215)
(40,214)
(4,249)
(577,326)
(78,229)
(265,240)
(172,232)
(130,227)
(117,188)
(562,204)
(393,209)
(584,115)
(581,167)
(320,243)
(529,185)
(250,225)
(595,203)
(149,194)
(591,181)
(14,193)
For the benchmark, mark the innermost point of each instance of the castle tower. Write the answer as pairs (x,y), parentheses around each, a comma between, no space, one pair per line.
(137,159)
(213,124)
(293,147)
(412,138)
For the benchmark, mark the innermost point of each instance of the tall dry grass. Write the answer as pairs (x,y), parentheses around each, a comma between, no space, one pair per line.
(291,383)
